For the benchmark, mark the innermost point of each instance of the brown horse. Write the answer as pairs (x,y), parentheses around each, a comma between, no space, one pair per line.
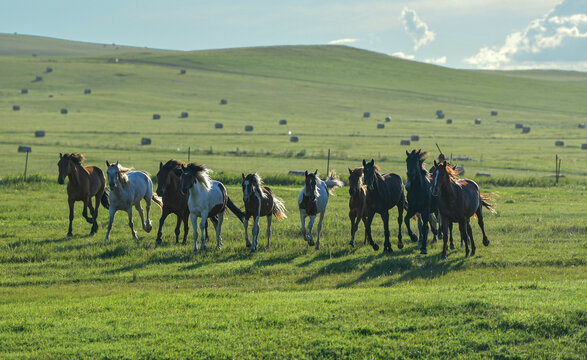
(357,201)
(84,183)
(260,201)
(174,201)
(459,199)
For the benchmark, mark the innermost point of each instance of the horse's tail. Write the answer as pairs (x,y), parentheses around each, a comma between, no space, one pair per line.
(157,200)
(485,198)
(279,208)
(332,182)
(235,210)
(105,199)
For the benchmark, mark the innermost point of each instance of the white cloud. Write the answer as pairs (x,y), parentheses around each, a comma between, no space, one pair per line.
(343,41)
(438,61)
(560,35)
(416,28)
(401,55)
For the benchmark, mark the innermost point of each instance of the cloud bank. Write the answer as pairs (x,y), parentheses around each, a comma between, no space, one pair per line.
(343,41)
(560,36)
(417,29)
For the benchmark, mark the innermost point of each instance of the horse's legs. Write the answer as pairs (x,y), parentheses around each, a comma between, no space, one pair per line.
(433,221)
(464,235)
(111,213)
(89,220)
(246,225)
(370,217)
(365,228)
(202,230)
(444,223)
(194,220)
(147,226)
(319,230)
(219,230)
(386,243)
(177,227)
(142,215)
(352,215)
(255,233)
(269,218)
(186,227)
(303,221)
(482,225)
(470,233)
(164,215)
(400,218)
(131,224)
(310,226)
(409,214)
(425,219)
(71,205)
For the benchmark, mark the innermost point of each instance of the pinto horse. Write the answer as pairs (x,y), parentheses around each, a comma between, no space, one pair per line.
(260,201)
(357,208)
(207,199)
(312,201)
(384,191)
(84,183)
(127,189)
(459,199)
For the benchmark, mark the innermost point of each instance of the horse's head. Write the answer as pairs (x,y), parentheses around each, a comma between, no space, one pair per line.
(369,169)
(310,185)
(441,176)
(250,183)
(112,173)
(355,180)
(187,180)
(415,163)
(168,174)
(65,166)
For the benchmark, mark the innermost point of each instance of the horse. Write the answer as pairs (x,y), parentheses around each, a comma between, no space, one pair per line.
(207,199)
(127,188)
(357,208)
(260,201)
(174,201)
(384,191)
(312,200)
(432,171)
(459,199)
(84,183)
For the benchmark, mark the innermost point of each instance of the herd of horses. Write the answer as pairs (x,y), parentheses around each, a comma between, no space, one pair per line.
(435,198)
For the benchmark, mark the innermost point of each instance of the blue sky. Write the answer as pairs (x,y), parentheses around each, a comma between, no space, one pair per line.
(489,34)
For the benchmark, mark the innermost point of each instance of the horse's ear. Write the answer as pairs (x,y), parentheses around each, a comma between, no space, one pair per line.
(372,162)
(407,153)
(116,163)
(243,175)
(306,173)
(107,163)
(435,164)
(364,163)
(160,165)
(60,156)
(316,172)
(350,171)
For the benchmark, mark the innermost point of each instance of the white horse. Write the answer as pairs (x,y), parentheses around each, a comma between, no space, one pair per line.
(127,188)
(313,200)
(207,199)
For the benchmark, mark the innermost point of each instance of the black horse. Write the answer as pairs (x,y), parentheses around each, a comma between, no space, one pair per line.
(383,193)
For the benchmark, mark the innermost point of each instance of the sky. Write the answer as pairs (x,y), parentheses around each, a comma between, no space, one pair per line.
(464,34)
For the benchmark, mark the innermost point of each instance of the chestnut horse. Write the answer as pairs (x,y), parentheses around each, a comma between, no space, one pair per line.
(260,201)
(459,199)
(174,201)
(357,208)
(84,183)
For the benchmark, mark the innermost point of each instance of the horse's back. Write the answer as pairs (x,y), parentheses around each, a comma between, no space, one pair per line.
(97,180)
(395,186)
(472,195)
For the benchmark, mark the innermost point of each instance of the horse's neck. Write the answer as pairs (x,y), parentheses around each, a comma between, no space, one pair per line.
(449,189)
(75,175)
(197,190)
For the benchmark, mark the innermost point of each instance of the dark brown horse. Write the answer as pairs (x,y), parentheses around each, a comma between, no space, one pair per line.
(84,183)
(259,201)
(459,199)
(357,201)
(174,201)
(384,191)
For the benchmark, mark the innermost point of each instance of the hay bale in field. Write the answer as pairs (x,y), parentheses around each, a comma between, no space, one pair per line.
(156,116)
(182,72)
(294,139)
(525,129)
(38,78)
(49,69)
(584,146)
(404,142)
(477,121)
(218,125)
(24,148)
(282,122)
(483,174)
(145,141)
(559,143)
(582,126)
(449,121)
(223,102)
(415,138)
(388,119)
(24,91)
(460,169)
(366,114)
(87,91)
(248,127)
(439,114)
(380,125)
(493,113)
(39,133)
(519,126)
(298,173)
(64,111)
(184,114)
(15,107)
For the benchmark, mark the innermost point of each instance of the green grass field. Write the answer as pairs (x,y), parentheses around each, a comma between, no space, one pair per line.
(522,297)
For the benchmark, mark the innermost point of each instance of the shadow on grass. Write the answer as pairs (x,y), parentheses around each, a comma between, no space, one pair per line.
(153,259)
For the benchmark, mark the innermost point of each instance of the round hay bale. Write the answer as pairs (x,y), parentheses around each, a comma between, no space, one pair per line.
(64,111)
(87,91)
(380,126)
(282,122)
(477,121)
(559,143)
(519,126)
(15,107)
(182,72)
(145,141)
(415,138)
(24,91)
(388,119)
(294,139)
(525,129)
(39,133)
(24,148)
(249,128)
(38,78)
(493,113)
(184,114)
(404,142)
(584,146)
(483,174)
(460,169)
(449,121)
(582,126)
(223,102)
(439,114)
(49,69)
(156,116)
(366,114)
(218,125)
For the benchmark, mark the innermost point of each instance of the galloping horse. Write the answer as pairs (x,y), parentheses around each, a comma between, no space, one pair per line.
(459,199)
(174,201)
(312,200)
(207,199)
(84,183)
(420,199)
(383,193)
(432,171)
(127,188)
(357,208)
(259,201)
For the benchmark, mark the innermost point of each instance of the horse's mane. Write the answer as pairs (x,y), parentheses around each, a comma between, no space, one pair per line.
(201,174)
(173,164)
(77,158)
(257,182)
(122,174)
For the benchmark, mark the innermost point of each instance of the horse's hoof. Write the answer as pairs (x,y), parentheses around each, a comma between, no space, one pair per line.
(423,252)
(452,246)
(473,253)
(413,237)
(69,235)
(387,250)
(443,257)
(352,243)
(317,246)
(253,249)
(400,245)
(375,247)
(311,242)
(486,242)
(248,244)
(158,242)
(184,242)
